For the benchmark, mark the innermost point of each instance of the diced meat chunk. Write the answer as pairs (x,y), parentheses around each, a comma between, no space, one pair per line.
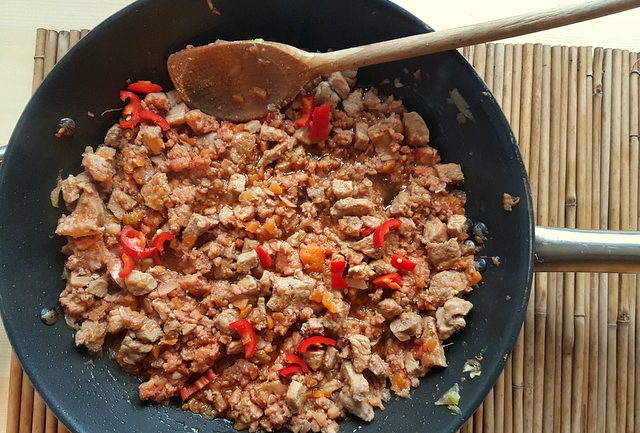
(450,173)
(444,254)
(197,225)
(377,365)
(361,409)
(361,272)
(416,132)
(361,136)
(457,226)
(140,283)
(97,165)
(237,183)
(352,105)
(389,308)
(177,114)
(296,395)
(87,219)
(434,231)
(91,335)
(290,291)
(339,84)
(450,317)
(200,122)
(156,191)
(247,261)
(326,95)
(120,203)
(445,285)
(360,351)
(269,133)
(352,206)
(407,326)
(357,382)
(342,188)
(431,351)
(151,136)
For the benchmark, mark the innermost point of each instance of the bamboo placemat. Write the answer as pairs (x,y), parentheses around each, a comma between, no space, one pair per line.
(575,113)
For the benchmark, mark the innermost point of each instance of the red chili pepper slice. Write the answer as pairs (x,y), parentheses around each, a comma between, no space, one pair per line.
(155,118)
(402,263)
(134,243)
(337,272)
(391,281)
(127,265)
(366,232)
(315,341)
(248,336)
(131,110)
(319,129)
(144,87)
(308,101)
(204,380)
(383,229)
(291,358)
(160,239)
(264,257)
(289,370)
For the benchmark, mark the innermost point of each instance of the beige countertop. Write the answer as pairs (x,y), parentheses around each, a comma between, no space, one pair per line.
(20,18)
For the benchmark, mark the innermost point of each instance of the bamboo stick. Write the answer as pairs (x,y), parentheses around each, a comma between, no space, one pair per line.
(623,198)
(480,59)
(39,414)
(15,391)
(51,422)
(612,86)
(488,413)
(74,38)
(50,49)
(63,44)
(26,405)
(62,428)
(516,84)
(586,208)
(522,353)
(489,65)
(540,145)
(550,342)
(478,419)
(83,33)
(526,101)
(582,221)
(633,418)
(38,58)
(570,211)
(564,108)
(597,387)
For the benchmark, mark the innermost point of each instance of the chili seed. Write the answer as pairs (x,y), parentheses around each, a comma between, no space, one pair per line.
(66,127)
(49,316)
(480,264)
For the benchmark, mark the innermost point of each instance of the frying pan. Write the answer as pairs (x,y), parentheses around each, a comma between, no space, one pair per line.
(134,43)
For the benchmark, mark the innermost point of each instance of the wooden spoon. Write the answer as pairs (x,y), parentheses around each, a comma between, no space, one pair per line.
(241,80)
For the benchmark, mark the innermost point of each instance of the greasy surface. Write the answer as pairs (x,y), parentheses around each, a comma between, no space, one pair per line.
(83,78)
(238,80)
(224,189)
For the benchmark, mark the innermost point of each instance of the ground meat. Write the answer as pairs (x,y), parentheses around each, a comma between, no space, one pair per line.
(223,190)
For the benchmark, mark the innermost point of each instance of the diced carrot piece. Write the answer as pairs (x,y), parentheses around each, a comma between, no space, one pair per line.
(313,258)
(329,304)
(275,188)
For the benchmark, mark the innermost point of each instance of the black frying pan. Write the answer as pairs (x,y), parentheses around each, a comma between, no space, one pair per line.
(135,44)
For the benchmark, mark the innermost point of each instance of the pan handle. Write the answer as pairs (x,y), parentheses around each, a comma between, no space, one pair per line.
(574,250)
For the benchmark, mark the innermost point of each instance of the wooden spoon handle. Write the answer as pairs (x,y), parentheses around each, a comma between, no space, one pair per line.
(418,45)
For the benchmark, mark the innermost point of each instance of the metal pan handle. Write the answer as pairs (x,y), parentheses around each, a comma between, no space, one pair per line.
(574,250)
